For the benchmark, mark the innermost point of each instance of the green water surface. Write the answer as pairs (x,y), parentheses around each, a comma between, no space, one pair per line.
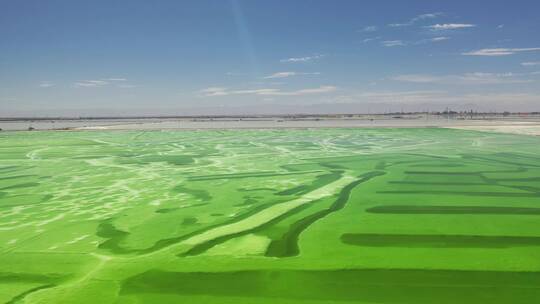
(417,215)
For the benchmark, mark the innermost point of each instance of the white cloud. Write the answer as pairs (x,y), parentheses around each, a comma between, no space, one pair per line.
(500,26)
(368,29)
(103,82)
(391,43)
(46,84)
(424,41)
(500,51)
(437,39)
(530,63)
(220,91)
(492,78)
(476,78)
(86,84)
(288,74)
(98,82)
(302,59)
(416,19)
(280,75)
(399,24)
(214,91)
(427,16)
(400,96)
(449,26)
(366,40)
(91,83)
(319,90)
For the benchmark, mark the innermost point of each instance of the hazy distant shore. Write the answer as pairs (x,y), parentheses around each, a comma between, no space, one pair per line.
(519,124)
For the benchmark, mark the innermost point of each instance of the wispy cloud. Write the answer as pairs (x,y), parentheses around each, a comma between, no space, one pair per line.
(302,59)
(46,84)
(476,78)
(437,39)
(500,51)
(214,91)
(430,40)
(319,90)
(530,63)
(280,75)
(449,26)
(392,43)
(115,79)
(103,82)
(416,19)
(289,74)
(84,84)
(369,29)
(392,96)
(366,40)
(220,91)
(91,83)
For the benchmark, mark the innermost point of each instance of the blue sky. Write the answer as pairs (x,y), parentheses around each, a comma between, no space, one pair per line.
(212,57)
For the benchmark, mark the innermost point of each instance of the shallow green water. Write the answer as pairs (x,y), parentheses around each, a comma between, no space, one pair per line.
(270,216)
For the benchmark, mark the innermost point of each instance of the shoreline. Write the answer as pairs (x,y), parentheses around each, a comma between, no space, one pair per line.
(529,125)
